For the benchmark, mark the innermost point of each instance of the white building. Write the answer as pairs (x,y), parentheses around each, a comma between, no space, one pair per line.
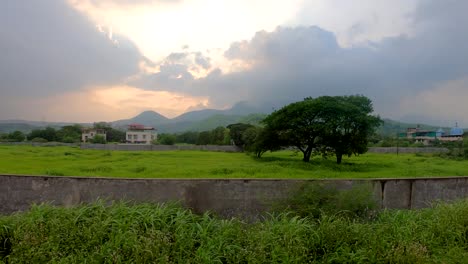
(89,133)
(139,134)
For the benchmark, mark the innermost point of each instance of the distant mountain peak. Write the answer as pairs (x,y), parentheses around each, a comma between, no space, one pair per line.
(150,114)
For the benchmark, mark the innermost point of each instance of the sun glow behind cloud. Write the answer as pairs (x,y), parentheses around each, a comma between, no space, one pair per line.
(160,27)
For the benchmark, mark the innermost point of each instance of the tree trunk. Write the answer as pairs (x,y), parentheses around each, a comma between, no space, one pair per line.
(307,154)
(339,156)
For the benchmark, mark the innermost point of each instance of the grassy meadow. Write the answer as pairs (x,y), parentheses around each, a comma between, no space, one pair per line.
(73,161)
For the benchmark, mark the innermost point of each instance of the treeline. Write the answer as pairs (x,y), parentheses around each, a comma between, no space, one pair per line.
(217,136)
(65,134)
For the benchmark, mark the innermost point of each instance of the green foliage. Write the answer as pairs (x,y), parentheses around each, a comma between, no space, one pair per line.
(236,132)
(217,136)
(188,137)
(112,134)
(341,125)
(166,139)
(49,134)
(260,140)
(16,136)
(69,134)
(150,233)
(315,200)
(204,138)
(296,124)
(347,124)
(98,139)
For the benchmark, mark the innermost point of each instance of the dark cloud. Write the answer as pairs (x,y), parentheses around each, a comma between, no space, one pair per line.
(48,47)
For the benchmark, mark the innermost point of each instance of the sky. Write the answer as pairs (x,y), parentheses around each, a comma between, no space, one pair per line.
(90,60)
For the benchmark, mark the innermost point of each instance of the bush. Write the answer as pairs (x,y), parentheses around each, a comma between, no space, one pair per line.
(314,200)
(166,139)
(39,140)
(98,139)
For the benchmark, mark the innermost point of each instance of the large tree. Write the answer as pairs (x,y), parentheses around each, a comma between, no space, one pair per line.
(297,124)
(329,124)
(347,125)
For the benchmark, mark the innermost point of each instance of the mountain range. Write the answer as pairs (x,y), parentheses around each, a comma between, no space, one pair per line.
(200,120)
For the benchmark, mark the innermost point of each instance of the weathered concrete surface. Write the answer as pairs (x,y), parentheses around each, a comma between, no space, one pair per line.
(396,194)
(427,191)
(141,147)
(227,197)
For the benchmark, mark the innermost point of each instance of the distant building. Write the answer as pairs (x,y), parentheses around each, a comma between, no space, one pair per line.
(89,133)
(139,134)
(427,136)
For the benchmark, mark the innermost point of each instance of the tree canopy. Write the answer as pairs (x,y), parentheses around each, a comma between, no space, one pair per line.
(339,125)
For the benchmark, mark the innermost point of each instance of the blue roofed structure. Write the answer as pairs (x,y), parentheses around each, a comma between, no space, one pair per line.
(456,131)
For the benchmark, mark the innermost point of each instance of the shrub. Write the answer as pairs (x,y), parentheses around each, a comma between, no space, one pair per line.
(98,139)
(39,140)
(314,200)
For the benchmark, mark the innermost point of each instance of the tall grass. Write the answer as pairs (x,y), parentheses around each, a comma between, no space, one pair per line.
(149,233)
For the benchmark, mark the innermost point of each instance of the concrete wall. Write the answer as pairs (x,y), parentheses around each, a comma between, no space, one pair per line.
(142,147)
(228,197)
(408,150)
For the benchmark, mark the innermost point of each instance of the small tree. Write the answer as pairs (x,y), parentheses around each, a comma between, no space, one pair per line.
(166,139)
(98,139)
(236,132)
(260,140)
(16,136)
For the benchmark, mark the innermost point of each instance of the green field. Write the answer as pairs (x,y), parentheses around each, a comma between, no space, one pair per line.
(147,233)
(72,161)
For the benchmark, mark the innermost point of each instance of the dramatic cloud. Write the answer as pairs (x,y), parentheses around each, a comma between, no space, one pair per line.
(291,63)
(48,47)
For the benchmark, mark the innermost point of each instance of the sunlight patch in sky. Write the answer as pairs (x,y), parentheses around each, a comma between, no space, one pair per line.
(160,27)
